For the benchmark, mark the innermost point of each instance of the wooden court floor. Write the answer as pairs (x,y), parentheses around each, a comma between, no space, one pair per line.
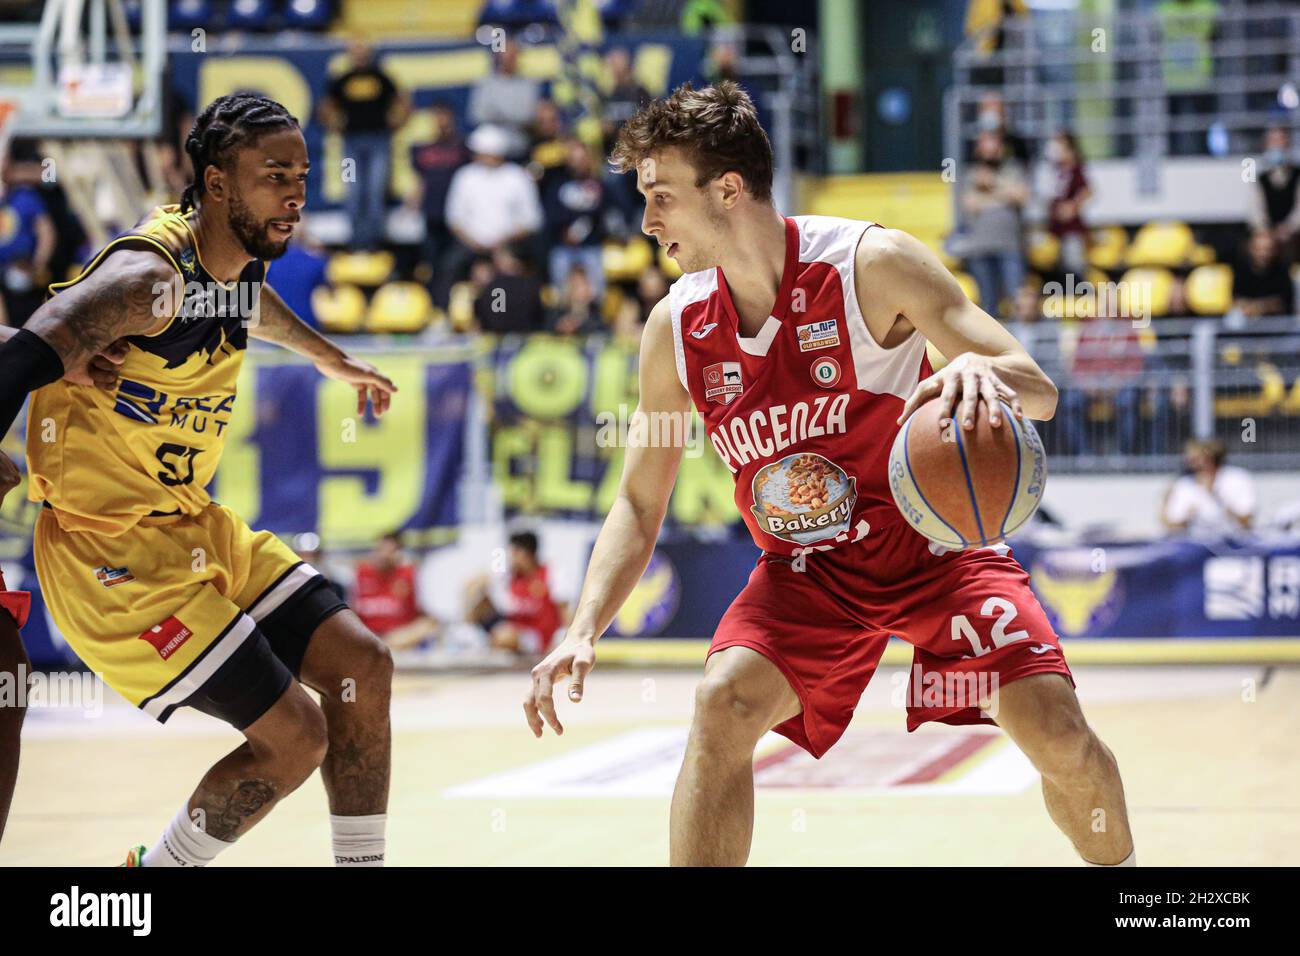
(1210,757)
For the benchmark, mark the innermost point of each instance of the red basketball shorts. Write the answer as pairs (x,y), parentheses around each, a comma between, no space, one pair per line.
(970,616)
(17,603)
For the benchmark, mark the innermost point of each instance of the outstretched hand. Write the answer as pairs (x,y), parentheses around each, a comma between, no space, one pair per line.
(370,383)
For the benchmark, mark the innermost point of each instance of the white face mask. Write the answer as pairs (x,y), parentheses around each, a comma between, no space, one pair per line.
(989,119)
(1055,151)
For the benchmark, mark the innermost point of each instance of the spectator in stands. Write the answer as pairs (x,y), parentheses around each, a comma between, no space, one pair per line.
(385,596)
(507,100)
(994,195)
(629,321)
(1065,207)
(491,203)
(510,299)
(298,273)
(992,118)
(28,238)
(1261,281)
(1276,207)
(575,219)
(435,164)
(1027,318)
(1107,365)
(550,148)
(579,309)
(525,619)
(365,105)
(624,97)
(1210,499)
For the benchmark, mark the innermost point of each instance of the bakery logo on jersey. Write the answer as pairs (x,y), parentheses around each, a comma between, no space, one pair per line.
(722,382)
(704,330)
(826,372)
(112,577)
(818,335)
(804,498)
(167,637)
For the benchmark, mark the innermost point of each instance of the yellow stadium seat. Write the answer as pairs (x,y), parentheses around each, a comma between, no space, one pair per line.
(1043,251)
(366,269)
(340,309)
(624,262)
(668,267)
(460,306)
(1202,255)
(1137,287)
(1106,251)
(968,285)
(1168,244)
(399,307)
(1209,289)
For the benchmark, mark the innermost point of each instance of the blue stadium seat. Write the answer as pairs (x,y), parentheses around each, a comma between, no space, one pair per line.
(306,14)
(249,14)
(188,14)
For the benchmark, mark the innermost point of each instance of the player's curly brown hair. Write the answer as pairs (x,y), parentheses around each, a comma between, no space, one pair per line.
(718,128)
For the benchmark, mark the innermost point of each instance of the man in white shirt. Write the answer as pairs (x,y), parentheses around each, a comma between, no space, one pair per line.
(1212,499)
(491,203)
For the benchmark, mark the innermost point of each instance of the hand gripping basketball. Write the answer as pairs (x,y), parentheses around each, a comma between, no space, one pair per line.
(979,384)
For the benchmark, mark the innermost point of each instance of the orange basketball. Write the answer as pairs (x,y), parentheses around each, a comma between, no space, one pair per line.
(964,488)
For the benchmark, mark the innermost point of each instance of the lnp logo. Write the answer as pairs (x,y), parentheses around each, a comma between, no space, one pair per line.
(722,382)
(826,372)
(818,335)
(112,577)
(705,330)
(167,637)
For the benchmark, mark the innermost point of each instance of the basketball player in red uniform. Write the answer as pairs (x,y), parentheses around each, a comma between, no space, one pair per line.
(801,343)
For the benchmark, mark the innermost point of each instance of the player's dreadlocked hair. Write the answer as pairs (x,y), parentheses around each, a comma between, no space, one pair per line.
(228,123)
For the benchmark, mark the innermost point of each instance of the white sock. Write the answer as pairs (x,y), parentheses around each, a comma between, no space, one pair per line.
(359,841)
(184,844)
(1130,860)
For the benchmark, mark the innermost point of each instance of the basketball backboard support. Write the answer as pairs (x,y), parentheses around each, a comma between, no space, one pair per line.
(84,73)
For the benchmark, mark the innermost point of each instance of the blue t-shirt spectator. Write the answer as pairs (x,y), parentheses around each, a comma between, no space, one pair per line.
(295,275)
(19,211)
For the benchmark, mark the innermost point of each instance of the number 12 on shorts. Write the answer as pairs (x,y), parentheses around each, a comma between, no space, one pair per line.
(963,630)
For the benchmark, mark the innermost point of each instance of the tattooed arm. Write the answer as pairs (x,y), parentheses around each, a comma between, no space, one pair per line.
(277,323)
(131,292)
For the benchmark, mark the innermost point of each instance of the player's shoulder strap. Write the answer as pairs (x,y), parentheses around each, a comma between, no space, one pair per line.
(686,290)
(162,231)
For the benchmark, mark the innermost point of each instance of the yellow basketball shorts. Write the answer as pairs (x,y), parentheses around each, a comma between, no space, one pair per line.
(195,611)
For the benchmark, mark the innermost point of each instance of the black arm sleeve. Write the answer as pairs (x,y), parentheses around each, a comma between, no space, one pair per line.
(27,362)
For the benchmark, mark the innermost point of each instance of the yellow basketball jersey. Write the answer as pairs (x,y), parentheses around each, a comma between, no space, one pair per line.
(105,460)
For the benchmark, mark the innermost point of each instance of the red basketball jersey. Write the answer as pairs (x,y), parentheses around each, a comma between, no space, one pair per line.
(803,413)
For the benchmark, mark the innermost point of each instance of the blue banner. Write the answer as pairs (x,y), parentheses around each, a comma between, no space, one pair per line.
(1171,589)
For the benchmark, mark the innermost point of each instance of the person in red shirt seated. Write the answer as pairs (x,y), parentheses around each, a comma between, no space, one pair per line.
(530,618)
(384,596)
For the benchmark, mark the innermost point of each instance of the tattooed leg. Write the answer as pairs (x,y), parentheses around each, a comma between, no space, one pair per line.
(285,745)
(353,672)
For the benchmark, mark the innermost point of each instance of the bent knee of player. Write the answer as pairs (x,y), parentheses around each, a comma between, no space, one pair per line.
(1065,748)
(728,707)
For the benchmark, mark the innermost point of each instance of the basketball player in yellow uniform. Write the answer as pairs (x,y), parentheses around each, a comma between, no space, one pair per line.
(166,593)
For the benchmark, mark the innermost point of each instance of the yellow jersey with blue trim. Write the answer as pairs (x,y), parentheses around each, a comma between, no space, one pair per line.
(103,460)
